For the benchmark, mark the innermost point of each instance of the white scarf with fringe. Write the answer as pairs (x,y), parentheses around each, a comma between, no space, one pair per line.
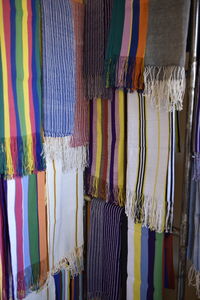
(65,215)
(147,162)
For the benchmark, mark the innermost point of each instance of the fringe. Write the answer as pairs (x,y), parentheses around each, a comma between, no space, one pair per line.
(20,156)
(28,283)
(72,157)
(98,188)
(125,72)
(194,279)
(72,262)
(165,86)
(146,210)
(196,174)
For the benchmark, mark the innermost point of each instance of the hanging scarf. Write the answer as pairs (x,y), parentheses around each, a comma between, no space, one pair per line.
(65,216)
(62,285)
(58,75)
(97,22)
(169,275)
(147,162)
(164,75)
(28,235)
(194,236)
(106,173)
(105,248)
(126,45)
(20,89)
(145,266)
(196,129)
(6,280)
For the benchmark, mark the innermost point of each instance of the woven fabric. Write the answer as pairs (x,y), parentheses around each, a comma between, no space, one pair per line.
(28,235)
(105,248)
(58,76)
(97,22)
(124,60)
(164,75)
(20,88)
(147,162)
(106,172)
(65,217)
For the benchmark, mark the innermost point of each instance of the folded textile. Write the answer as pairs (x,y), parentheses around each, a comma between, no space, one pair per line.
(124,60)
(6,279)
(58,75)
(97,22)
(20,88)
(105,248)
(106,172)
(147,162)
(65,217)
(28,235)
(164,74)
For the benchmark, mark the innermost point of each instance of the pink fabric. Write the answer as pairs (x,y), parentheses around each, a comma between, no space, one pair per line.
(80,136)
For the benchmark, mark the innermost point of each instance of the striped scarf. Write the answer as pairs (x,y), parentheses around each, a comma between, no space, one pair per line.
(105,250)
(20,89)
(6,280)
(147,162)
(65,217)
(106,173)
(125,52)
(145,263)
(58,75)
(28,235)
(97,22)
(164,74)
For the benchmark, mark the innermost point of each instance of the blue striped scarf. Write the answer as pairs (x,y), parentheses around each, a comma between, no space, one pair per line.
(58,68)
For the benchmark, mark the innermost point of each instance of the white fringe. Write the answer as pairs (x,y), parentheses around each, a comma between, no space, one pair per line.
(153,212)
(73,262)
(194,279)
(165,86)
(72,157)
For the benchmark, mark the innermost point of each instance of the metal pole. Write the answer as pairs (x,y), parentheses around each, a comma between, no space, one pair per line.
(183,240)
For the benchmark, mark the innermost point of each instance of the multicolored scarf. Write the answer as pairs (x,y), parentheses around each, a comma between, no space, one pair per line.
(125,52)
(20,88)
(65,217)
(147,162)
(28,232)
(6,280)
(58,75)
(145,266)
(97,22)
(164,74)
(105,250)
(106,173)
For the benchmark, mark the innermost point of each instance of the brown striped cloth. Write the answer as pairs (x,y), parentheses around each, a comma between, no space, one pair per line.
(107,253)
(97,22)
(106,174)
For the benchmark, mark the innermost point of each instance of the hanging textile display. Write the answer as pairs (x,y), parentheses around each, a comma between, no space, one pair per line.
(147,162)
(164,74)
(58,76)
(105,249)
(97,22)
(28,234)
(20,88)
(80,138)
(124,62)
(106,172)
(6,279)
(65,216)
